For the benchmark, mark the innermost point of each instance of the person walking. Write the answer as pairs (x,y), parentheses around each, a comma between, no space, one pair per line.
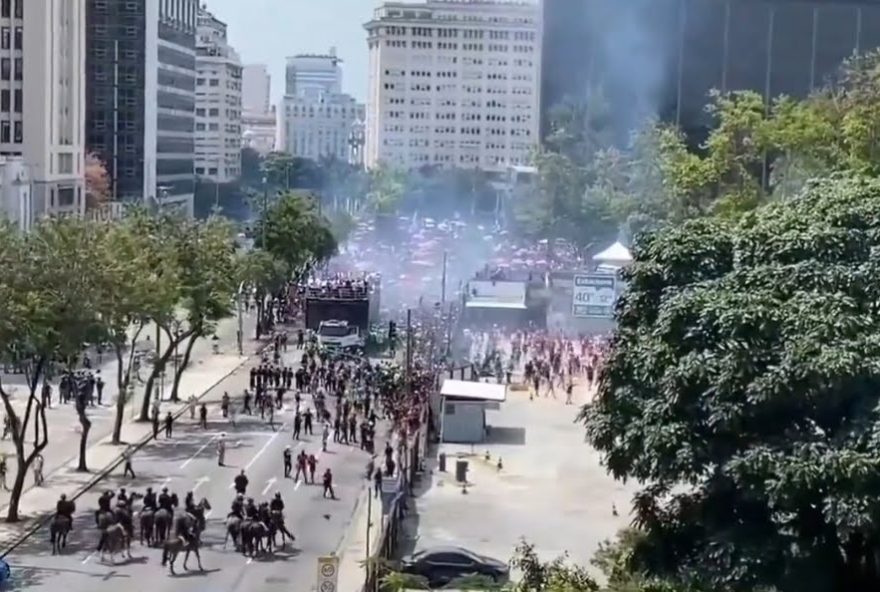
(168,423)
(328,485)
(128,471)
(38,470)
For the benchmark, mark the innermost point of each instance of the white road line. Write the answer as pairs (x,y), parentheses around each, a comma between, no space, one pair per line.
(201,481)
(165,482)
(208,513)
(269,485)
(263,449)
(89,556)
(298,483)
(249,561)
(198,452)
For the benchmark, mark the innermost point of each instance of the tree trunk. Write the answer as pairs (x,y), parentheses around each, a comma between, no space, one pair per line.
(19,433)
(86,425)
(184,363)
(121,397)
(158,367)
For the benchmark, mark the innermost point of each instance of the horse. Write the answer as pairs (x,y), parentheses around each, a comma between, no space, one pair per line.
(58,532)
(198,512)
(116,540)
(162,523)
(276,525)
(253,535)
(146,518)
(233,530)
(172,548)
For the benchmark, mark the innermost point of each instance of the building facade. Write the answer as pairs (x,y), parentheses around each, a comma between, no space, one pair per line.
(454,83)
(42,100)
(140,80)
(677,51)
(260,131)
(316,117)
(16,198)
(319,126)
(218,103)
(256,88)
(313,74)
(175,62)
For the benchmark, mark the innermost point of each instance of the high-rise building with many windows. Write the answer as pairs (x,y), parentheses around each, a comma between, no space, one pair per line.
(454,83)
(42,103)
(218,103)
(140,119)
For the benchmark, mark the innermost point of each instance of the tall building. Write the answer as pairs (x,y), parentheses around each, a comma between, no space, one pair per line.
(313,74)
(42,102)
(175,54)
(140,73)
(662,57)
(316,116)
(218,103)
(317,126)
(256,89)
(454,83)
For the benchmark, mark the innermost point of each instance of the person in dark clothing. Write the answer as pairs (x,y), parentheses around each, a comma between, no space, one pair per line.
(250,510)
(328,484)
(377,482)
(203,417)
(297,425)
(150,499)
(155,425)
(288,462)
(307,420)
(165,500)
(237,509)
(240,482)
(168,422)
(99,386)
(66,508)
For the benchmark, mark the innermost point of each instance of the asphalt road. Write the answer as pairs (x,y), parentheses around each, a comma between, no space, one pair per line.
(188,462)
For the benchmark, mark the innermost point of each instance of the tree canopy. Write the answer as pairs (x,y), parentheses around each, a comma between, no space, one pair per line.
(296,231)
(743,388)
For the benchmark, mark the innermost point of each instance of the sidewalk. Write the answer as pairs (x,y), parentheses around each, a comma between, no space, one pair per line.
(206,371)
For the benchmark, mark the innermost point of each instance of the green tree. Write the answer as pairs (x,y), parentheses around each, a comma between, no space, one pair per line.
(46,311)
(741,388)
(266,274)
(138,278)
(296,231)
(387,187)
(208,264)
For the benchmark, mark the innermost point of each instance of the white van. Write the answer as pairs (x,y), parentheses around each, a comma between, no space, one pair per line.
(339,335)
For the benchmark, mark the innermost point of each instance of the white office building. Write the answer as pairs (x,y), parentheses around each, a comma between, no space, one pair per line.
(256,89)
(313,74)
(454,83)
(316,117)
(218,103)
(42,105)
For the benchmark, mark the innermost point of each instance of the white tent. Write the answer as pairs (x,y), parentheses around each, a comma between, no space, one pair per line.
(614,256)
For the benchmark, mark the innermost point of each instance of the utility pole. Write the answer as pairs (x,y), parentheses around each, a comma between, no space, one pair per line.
(409,351)
(443,278)
(264,212)
(240,323)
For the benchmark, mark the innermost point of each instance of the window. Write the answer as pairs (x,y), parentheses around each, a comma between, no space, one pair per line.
(214,112)
(6,9)
(5,69)
(19,8)
(19,35)
(18,102)
(19,68)
(17,133)
(214,82)
(4,132)
(65,164)
(4,38)
(4,100)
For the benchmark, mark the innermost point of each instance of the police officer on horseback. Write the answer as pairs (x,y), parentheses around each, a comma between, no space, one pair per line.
(150,500)
(237,508)
(66,508)
(165,500)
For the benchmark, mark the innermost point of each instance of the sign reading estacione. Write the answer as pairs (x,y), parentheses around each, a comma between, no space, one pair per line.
(593,295)
(328,573)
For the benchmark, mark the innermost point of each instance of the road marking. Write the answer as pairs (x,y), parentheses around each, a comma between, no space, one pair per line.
(200,482)
(89,556)
(165,482)
(265,446)
(298,483)
(269,485)
(198,452)
(249,561)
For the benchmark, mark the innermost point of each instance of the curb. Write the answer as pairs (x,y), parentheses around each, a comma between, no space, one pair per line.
(112,465)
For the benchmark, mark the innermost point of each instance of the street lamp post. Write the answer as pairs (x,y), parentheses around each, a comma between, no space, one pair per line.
(240,335)
(265,208)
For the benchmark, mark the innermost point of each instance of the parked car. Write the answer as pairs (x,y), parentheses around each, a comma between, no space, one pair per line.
(441,565)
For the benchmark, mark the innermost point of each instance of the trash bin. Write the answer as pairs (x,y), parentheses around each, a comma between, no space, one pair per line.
(461,469)
(441,461)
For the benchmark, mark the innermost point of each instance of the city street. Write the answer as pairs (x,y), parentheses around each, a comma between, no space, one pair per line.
(61,419)
(188,462)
